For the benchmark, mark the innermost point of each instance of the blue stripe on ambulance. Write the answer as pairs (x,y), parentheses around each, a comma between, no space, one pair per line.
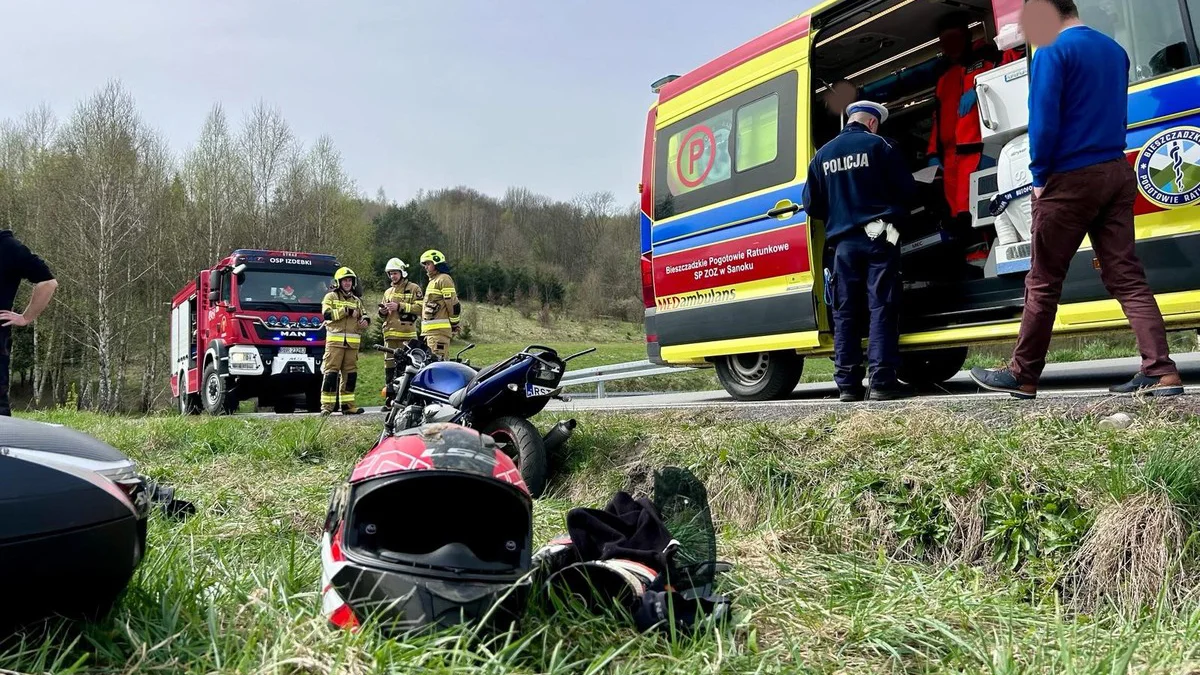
(743,209)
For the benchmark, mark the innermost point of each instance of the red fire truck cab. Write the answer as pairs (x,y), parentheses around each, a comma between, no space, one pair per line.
(251,327)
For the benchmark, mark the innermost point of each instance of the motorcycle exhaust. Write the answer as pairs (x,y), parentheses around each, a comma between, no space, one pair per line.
(558,435)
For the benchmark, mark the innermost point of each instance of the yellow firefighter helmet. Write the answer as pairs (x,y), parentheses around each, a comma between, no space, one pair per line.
(433,256)
(344,272)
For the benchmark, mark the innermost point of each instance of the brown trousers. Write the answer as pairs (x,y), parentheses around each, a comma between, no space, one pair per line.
(1096,201)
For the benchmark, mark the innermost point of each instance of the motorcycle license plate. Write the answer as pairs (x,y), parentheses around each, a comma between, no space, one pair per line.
(533,391)
(293,350)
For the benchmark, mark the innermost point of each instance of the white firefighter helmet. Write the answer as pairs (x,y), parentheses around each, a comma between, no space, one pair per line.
(396,265)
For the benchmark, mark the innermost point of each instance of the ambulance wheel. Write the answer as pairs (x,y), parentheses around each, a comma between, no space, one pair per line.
(285,406)
(762,376)
(524,444)
(930,367)
(215,394)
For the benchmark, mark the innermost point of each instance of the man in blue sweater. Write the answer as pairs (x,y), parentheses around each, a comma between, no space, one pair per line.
(859,185)
(1082,185)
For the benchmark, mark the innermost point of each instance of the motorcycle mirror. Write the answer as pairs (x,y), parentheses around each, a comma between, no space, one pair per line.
(575,356)
(465,350)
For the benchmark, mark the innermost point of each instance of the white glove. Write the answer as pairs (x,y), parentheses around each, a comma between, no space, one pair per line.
(878,227)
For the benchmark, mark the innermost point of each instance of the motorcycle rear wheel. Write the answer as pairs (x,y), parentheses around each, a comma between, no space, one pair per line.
(524,444)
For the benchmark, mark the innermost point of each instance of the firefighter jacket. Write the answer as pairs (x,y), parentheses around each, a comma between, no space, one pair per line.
(441,306)
(342,313)
(402,323)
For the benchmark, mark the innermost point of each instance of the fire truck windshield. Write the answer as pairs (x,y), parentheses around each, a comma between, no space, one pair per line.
(293,290)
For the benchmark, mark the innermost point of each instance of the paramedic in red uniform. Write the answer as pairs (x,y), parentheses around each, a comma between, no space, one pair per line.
(956,142)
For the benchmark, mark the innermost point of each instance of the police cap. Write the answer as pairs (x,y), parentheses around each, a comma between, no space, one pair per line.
(871,108)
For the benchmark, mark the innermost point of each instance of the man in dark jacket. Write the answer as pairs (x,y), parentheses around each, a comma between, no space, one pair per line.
(859,185)
(16,263)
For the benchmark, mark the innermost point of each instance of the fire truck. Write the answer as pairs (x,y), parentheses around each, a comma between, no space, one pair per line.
(251,327)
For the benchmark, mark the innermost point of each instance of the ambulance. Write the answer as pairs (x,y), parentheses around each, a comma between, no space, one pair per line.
(733,270)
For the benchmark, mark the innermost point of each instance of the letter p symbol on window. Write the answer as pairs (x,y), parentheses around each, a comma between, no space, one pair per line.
(695,152)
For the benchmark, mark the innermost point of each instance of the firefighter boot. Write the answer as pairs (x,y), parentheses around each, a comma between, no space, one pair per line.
(329,393)
(348,405)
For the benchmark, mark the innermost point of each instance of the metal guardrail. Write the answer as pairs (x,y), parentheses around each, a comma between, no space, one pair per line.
(617,371)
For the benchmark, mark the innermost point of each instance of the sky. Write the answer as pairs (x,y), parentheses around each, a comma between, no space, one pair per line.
(550,95)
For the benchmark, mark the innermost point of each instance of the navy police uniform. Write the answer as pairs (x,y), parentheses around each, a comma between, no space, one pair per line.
(860,180)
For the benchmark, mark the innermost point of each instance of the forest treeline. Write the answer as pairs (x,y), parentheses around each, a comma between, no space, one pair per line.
(124,221)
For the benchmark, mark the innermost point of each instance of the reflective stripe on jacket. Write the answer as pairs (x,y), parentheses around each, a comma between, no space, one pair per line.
(402,324)
(342,313)
(441,305)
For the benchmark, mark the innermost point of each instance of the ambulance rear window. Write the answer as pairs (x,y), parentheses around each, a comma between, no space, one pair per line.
(743,144)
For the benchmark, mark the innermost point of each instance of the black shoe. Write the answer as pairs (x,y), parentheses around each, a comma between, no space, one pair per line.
(892,392)
(1003,381)
(852,395)
(1145,385)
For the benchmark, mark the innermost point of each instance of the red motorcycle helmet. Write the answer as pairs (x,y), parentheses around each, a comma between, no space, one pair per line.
(433,528)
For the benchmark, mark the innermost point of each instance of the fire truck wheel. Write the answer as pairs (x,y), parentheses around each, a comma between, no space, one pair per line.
(926,368)
(214,393)
(312,399)
(189,404)
(763,376)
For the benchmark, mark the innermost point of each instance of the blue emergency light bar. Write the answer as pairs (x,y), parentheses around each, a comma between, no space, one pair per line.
(247,255)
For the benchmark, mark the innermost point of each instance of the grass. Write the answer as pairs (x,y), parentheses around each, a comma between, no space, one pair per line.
(860,541)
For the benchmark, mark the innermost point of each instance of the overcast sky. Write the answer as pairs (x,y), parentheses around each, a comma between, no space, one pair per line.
(545,94)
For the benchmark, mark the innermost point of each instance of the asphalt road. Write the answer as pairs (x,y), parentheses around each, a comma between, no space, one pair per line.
(1060,382)
(1084,379)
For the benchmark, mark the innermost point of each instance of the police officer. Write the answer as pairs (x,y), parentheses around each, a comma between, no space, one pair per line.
(860,186)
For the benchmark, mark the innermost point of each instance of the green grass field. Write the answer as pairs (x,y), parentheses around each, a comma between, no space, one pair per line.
(996,539)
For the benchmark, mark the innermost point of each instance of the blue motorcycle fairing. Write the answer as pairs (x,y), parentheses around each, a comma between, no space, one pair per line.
(444,377)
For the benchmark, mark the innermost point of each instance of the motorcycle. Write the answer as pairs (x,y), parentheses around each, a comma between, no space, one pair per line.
(497,400)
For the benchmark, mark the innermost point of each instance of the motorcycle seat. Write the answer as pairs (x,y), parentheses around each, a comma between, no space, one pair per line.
(456,399)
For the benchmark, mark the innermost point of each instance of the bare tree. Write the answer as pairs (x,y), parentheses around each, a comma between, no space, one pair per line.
(212,178)
(265,143)
(111,165)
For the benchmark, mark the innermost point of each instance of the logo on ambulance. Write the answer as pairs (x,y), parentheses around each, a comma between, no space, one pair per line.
(1168,167)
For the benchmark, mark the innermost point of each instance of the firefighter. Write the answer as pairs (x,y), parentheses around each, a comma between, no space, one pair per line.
(956,142)
(439,321)
(345,320)
(398,311)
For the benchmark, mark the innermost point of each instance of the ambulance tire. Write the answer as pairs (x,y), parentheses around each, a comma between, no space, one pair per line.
(931,367)
(285,406)
(524,444)
(762,376)
(215,394)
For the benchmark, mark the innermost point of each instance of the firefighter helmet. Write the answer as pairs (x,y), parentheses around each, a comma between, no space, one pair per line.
(396,265)
(433,256)
(344,272)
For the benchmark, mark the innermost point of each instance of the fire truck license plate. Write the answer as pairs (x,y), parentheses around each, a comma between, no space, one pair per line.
(292,350)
